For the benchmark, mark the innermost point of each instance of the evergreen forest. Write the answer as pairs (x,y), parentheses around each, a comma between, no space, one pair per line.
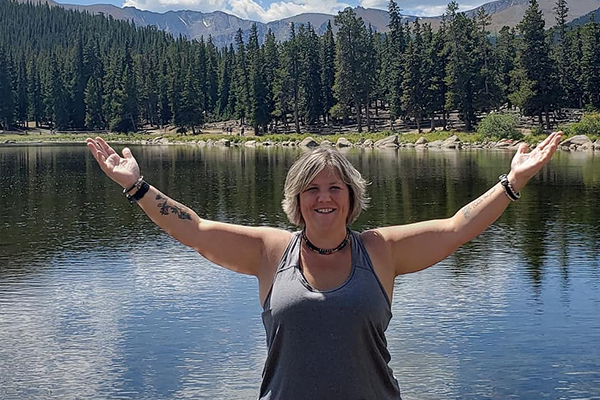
(70,70)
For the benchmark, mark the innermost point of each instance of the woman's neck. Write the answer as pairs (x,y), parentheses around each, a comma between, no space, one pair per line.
(326,239)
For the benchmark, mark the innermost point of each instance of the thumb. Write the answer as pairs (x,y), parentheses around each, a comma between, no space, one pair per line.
(127,153)
(523,147)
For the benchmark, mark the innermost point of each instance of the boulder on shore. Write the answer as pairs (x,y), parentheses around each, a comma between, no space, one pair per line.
(453,142)
(368,143)
(309,142)
(250,143)
(326,143)
(390,141)
(578,142)
(343,142)
(421,140)
(223,142)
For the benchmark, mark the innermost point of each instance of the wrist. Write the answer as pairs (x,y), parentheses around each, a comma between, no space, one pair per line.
(516,182)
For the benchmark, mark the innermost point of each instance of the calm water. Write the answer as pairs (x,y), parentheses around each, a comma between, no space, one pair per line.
(97,302)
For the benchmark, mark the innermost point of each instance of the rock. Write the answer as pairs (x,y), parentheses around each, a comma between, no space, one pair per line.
(368,143)
(223,143)
(250,143)
(390,141)
(360,141)
(326,143)
(421,140)
(453,142)
(309,142)
(210,142)
(596,145)
(578,140)
(201,143)
(436,143)
(503,144)
(267,143)
(343,142)
(421,146)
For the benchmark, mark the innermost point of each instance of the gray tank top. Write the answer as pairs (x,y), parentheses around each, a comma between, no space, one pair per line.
(325,345)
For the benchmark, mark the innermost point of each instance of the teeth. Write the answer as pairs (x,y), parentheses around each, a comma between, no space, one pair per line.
(324,210)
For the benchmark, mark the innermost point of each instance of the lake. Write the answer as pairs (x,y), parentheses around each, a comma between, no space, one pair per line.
(97,302)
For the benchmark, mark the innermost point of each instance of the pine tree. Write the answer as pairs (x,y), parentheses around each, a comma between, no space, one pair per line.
(327,60)
(94,116)
(287,90)
(34,94)
(393,64)
(76,83)
(258,110)
(461,68)
(271,65)
(590,64)
(413,85)
(536,93)
(212,76)
(310,78)
(241,81)
(560,51)
(505,53)
(350,63)
(21,98)
(7,105)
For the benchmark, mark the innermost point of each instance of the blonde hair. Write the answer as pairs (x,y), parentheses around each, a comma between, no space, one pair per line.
(307,167)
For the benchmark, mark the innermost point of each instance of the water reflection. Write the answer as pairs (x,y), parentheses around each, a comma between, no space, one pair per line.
(97,302)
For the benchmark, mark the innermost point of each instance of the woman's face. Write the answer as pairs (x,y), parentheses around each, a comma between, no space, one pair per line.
(325,203)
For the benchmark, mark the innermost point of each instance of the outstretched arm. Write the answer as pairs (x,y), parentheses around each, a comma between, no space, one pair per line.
(411,248)
(239,248)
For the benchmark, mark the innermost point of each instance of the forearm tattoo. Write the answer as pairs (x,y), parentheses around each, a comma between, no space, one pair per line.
(166,208)
(470,207)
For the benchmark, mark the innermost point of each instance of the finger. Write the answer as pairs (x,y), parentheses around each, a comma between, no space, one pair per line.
(105,146)
(550,137)
(523,148)
(127,153)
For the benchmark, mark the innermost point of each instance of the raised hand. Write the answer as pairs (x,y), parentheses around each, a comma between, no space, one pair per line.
(123,170)
(524,165)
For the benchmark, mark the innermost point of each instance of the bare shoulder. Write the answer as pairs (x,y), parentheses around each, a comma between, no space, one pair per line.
(275,240)
(381,258)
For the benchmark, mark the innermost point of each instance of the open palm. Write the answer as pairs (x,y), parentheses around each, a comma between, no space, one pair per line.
(123,170)
(524,165)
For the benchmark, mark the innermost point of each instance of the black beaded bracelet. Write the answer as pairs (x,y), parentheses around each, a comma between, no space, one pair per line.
(508,189)
(134,198)
(137,185)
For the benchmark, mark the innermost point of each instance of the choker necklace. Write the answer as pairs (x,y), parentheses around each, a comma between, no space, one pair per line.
(326,251)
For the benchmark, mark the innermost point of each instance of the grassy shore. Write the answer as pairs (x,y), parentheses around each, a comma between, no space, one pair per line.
(276,138)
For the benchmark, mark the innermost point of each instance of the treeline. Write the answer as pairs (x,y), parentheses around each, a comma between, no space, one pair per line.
(71,70)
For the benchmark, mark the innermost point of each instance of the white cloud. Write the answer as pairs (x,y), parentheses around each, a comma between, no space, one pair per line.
(380,4)
(246,9)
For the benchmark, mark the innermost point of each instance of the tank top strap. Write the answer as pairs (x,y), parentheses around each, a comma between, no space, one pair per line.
(361,257)
(290,255)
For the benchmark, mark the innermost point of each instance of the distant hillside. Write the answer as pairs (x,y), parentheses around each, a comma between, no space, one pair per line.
(222,26)
(595,15)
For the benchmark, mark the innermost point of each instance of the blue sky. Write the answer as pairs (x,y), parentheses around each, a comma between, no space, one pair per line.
(269,10)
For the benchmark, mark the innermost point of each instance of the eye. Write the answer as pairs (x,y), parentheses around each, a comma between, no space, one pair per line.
(311,189)
(336,187)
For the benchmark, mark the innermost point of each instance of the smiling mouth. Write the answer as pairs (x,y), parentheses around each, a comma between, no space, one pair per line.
(325,210)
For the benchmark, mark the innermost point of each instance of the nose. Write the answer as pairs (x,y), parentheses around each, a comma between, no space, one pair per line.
(324,195)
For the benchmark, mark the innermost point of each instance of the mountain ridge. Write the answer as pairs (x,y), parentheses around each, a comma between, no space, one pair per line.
(222,27)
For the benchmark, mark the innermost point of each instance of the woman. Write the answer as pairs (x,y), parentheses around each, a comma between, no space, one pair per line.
(326,291)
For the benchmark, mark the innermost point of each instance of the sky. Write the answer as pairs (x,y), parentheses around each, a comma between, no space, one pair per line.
(270,10)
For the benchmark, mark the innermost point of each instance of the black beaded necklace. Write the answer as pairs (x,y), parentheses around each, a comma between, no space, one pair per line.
(326,251)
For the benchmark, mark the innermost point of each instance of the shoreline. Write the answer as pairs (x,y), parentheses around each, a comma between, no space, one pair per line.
(375,140)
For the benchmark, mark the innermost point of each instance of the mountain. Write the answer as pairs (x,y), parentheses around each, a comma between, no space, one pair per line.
(223,27)
(594,15)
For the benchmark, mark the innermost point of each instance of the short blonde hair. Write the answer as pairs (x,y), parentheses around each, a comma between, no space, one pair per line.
(307,167)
